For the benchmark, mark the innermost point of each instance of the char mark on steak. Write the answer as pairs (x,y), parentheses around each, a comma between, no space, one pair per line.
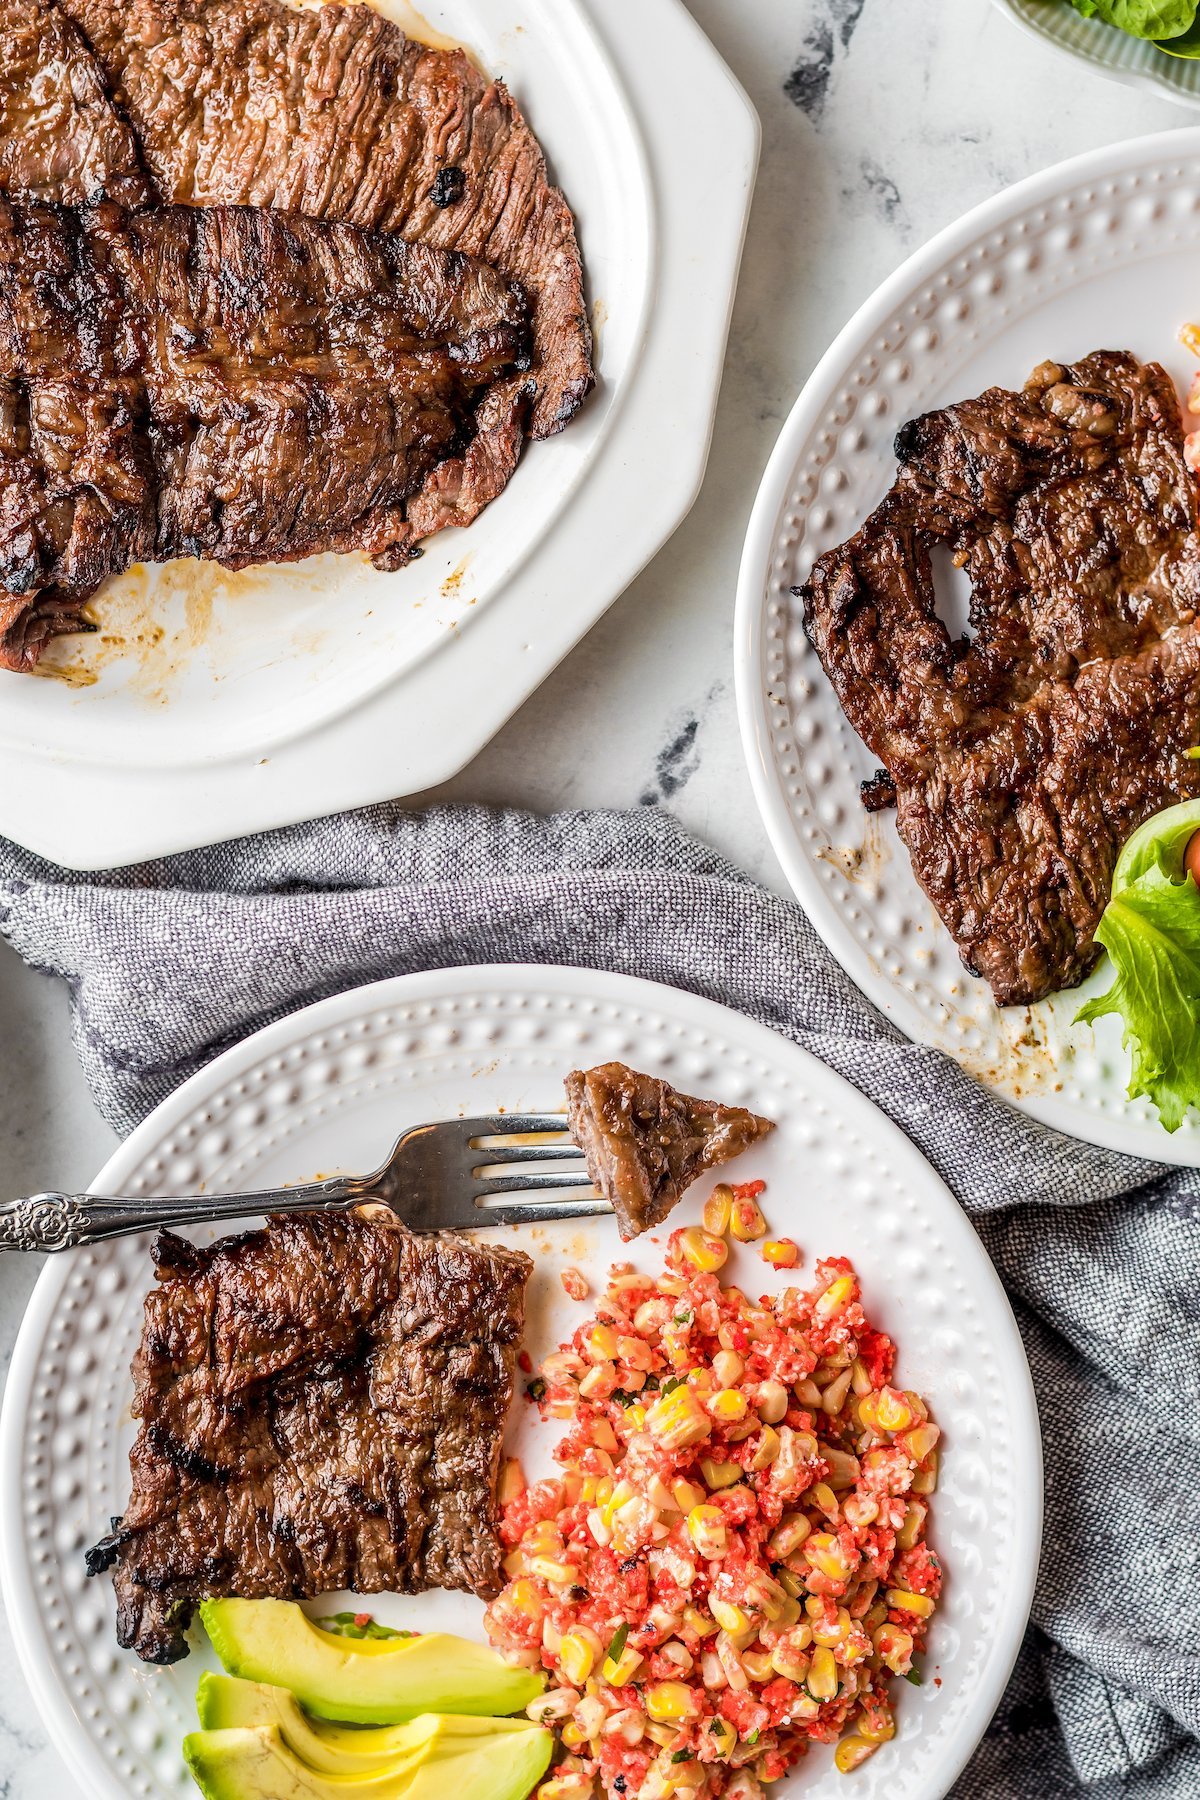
(236,384)
(61,138)
(333,112)
(646,1143)
(320,1406)
(1023,756)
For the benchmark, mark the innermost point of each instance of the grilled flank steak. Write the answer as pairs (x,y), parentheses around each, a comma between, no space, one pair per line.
(320,1407)
(1023,756)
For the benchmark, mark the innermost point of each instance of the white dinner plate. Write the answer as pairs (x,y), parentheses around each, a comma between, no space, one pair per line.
(211,704)
(330,1088)
(1102,252)
(1130,60)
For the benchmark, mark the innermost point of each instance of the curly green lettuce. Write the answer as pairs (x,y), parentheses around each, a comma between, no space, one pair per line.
(1151,930)
(1156,19)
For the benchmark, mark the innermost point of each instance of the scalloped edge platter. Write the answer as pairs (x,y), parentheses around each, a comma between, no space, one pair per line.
(1099,252)
(1131,61)
(330,1087)
(223,704)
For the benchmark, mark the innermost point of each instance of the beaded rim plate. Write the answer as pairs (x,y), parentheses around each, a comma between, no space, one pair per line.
(1130,60)
(330,1087)
(1099,252)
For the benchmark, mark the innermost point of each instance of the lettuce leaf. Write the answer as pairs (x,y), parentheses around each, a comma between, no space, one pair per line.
(1151,930)
(1143,18)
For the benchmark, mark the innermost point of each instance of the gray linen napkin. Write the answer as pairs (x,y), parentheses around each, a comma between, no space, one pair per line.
(172,961)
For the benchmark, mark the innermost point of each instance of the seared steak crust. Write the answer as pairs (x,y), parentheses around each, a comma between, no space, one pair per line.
(61,138)
(332,111)
(320,1406)
(646,1143)
(1024,756)
(240,385)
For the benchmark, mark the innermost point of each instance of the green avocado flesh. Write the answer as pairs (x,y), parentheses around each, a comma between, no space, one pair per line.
(226,1703)
(255,1764)
(367,1681)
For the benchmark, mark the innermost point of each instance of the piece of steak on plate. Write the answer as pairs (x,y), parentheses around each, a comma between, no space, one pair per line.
(1023,755)
(333,111)
(320,1406)
(61,138)
(237,384)
(646,1143)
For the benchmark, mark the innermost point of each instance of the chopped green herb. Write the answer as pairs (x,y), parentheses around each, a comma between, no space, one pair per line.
(914,1675)
(671,1383)
(682,1756)
(359,1625)
(618,1643)
(536,1389)
(753,1736)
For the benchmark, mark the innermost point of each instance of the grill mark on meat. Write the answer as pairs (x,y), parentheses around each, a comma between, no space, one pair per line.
(332,111)
(1022,759)
(61,138)
(234,384)
(321,1406)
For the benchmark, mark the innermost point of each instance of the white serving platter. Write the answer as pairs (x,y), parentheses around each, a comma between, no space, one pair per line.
(1099,252)
(328,1089)
(212,704)
(1130,60)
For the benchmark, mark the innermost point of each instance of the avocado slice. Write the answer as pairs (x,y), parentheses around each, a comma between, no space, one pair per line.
(363,1681)
(255,1764)
(224,1703)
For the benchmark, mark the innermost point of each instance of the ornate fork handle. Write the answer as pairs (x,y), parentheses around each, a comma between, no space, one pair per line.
(67,1221)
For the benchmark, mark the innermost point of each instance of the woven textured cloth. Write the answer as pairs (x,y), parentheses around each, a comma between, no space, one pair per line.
(170,962)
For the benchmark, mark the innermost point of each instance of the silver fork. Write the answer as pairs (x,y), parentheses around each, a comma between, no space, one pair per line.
(437,1177)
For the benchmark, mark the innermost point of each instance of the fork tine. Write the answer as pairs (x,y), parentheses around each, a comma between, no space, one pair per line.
(508,1125)
(500,1154)
(519,1184)
(538,1212)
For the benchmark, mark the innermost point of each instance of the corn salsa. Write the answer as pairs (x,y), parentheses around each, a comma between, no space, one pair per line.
(733,1562)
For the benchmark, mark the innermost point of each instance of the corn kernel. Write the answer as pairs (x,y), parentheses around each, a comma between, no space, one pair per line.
(919,1442)
(600,1343)
(877,1726)
(620,1673)
(894,1647)
(670,1700)
(729,1617)
(914,1523)
(758,1664)
(723,1737)
(706,1528)
(892,1411)
(852,1753)
(717,1209)
(603,1435)
(702,1250)
(837,1295)
(788,1535)
(822,1678)
(599,1382)
(524,1597)
(678,1420)
(771,1402)
(687,1495)
(843,1468)
(729,1407)
(832,1632)
(826,1499)
(635,1418)
(512,1481)
(577,1655)
(824,1553)
(728,1368)
(860,1381)
(572,1737)
(789,1657)
(781,1253)
(698,1621)
(546,1569)
(834,1396)
(926,1478)
(719,1474)
(565,1787)
(514,1563)
(768,1449)
(1189,337)
(920,1605)
(746,1221)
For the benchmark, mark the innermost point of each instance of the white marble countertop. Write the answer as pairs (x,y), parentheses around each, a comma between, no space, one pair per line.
(883,120)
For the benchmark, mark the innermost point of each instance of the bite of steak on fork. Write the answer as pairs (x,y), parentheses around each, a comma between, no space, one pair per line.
(320,1407)
(1024,755)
